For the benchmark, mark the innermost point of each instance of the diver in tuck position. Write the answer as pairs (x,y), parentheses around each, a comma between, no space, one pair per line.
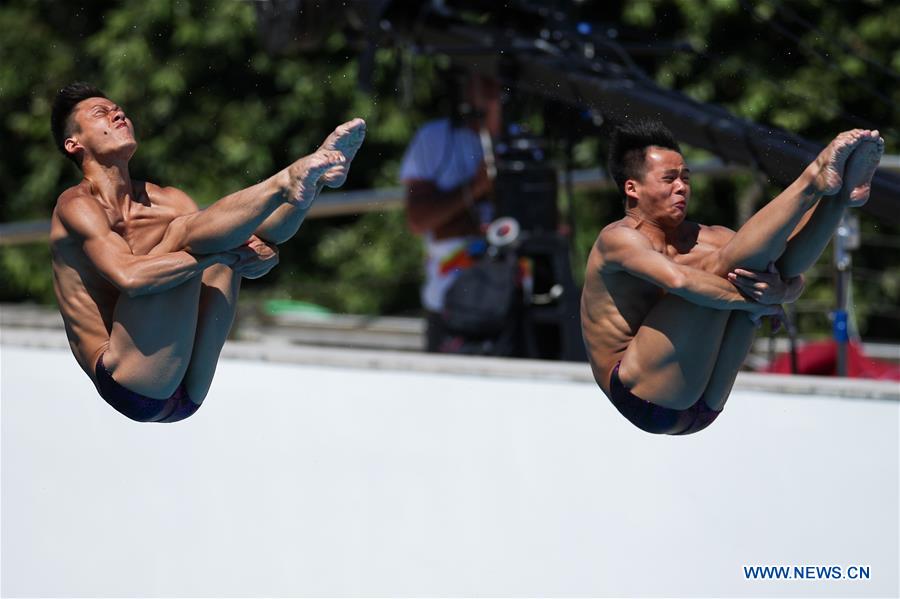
(670,307)
(147,284)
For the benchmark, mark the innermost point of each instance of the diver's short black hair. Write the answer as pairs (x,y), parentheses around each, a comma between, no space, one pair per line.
(64,103)
(628,147)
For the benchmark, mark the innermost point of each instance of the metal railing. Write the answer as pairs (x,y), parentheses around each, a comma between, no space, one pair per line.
(348,203)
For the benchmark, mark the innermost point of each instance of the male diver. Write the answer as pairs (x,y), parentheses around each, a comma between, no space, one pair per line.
(669,307)
(147,284)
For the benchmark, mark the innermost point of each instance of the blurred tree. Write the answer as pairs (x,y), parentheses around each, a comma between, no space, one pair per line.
(214,113)
(812,68)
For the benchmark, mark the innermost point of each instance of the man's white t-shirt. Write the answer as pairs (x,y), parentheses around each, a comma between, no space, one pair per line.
(448,157)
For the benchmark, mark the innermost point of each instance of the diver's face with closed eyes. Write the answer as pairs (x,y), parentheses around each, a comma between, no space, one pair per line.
(100,129)
(662,194)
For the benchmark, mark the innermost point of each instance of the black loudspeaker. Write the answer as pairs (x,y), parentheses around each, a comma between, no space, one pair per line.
(526,191)
(525,187)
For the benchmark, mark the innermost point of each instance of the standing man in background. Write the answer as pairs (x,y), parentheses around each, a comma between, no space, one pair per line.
(447,174)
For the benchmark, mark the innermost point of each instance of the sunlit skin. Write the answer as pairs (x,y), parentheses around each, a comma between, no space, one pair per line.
(146,279)
(675,302)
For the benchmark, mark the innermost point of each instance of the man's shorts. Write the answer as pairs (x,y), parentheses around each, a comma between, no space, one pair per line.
(658,419)
(139,407)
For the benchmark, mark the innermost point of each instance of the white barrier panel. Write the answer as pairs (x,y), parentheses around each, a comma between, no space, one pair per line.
(298,480)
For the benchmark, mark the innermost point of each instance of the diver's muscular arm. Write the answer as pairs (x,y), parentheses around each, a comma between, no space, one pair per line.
(112,257)
(228,222)
(764,287)
(627,250)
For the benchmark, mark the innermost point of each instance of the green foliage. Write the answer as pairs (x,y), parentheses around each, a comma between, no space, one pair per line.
(214,113)
(813,68)
(376,264)
(27,267)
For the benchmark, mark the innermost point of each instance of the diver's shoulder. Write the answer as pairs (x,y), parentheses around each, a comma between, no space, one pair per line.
(75,194)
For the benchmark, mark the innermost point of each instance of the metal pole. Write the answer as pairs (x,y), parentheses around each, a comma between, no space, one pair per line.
(790,324)
(846,238)
(841,336)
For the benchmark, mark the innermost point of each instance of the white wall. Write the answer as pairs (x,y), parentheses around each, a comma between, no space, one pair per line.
(299,480)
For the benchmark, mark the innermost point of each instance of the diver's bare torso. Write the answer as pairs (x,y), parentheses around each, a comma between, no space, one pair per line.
(86,299)
(615,303)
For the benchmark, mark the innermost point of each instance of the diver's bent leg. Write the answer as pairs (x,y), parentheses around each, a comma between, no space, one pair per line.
(285,221)
(283,224)
(805,247)
(764,238)
(736,343)
(218,304)
(670,360)
(152,338)
(217,228)
(229,222)
(807,244)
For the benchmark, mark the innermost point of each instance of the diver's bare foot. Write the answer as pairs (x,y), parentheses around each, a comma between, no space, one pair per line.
(304,176)
(859,171)
(831,161)
(347,139)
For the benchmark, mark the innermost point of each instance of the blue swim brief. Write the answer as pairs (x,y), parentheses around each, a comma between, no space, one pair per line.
(139,407)
(658,419)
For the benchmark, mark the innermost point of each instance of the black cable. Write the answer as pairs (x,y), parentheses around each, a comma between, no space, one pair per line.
(642,77)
